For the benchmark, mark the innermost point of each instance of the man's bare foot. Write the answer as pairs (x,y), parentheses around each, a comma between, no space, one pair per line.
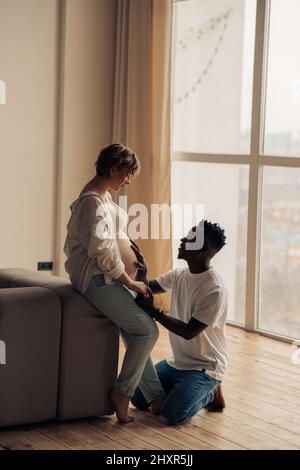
(218,403)
(156,406)
(121,403)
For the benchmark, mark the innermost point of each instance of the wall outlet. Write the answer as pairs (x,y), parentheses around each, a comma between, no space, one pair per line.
(2,352)
(45,266)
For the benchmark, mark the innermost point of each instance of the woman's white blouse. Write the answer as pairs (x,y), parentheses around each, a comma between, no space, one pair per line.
(91,244)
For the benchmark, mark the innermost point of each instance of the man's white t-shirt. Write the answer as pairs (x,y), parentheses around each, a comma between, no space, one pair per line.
(204,297)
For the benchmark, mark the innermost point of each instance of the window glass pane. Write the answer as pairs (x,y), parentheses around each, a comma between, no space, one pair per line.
(213,49)
(223,189)
(280,252)
(282,119)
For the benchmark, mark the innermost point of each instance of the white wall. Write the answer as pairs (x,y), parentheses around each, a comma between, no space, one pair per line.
(87,102)
(28,30)
(58,113)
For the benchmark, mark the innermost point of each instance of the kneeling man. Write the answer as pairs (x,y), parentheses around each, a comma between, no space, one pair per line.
(192,377)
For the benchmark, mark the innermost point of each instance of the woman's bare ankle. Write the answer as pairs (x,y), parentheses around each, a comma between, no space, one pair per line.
(121,404)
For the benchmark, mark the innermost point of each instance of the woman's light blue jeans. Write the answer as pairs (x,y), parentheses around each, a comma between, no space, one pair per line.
(138,329)
(188,391)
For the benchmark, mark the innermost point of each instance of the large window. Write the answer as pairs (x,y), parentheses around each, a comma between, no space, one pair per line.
(280,252)
(282,117)
(223,190)
(236,147)
(213,61)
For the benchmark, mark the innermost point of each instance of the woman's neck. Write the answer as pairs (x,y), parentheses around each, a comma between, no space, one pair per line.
(98,184)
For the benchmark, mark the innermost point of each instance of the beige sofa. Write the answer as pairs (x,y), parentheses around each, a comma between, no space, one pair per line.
(61,353)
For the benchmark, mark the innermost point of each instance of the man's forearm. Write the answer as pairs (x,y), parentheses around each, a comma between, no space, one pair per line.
(177,327)
(155,287)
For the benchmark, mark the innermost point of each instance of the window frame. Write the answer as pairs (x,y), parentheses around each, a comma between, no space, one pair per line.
(256,161)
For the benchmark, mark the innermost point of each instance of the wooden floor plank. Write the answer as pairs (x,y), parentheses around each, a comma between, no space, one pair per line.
(161,429)
(40,440)
(261,413)
(253,369)
(261,343)
(291,393)
(283,370)
(153,433)
(62,434)
(262,393)
(10,440)
(191,431)
(93,438)
(266,394)
(227,433)
(258,423)
(127,435)
(256,402)
(258,435)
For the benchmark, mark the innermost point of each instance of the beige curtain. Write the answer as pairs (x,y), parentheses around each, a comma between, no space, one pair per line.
(142,109)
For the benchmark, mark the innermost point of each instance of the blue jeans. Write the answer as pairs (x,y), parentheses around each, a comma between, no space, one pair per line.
(188,391)
(139,331)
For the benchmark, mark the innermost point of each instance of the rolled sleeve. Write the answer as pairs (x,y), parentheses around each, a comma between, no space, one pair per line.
(116,272)
(100,239)
(104,248)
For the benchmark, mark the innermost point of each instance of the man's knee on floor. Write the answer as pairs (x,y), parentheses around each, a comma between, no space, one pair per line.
(173,412)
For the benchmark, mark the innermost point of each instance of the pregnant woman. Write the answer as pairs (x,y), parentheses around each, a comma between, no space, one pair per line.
(102,265)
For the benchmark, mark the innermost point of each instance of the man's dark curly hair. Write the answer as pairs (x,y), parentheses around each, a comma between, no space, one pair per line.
(215,234)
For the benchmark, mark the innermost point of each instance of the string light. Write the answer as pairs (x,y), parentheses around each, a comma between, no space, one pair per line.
(196,33)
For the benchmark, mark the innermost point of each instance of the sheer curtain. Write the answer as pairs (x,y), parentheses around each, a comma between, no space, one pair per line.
(142,109)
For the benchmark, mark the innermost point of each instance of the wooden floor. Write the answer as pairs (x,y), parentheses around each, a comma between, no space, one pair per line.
(262,392)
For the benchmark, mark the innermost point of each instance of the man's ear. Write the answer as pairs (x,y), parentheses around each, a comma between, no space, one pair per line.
(212,251)
(206,248)
(209,249)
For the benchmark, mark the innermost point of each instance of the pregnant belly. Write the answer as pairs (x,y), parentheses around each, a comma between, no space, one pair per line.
(128,256)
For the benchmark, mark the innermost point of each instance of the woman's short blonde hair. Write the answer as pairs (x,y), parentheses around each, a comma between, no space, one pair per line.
(116,156)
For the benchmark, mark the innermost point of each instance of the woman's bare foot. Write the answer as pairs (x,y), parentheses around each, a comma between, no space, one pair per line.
(218,403)
(121,403)
(156,406)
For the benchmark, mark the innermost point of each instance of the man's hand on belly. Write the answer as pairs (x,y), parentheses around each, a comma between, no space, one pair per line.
(142,270)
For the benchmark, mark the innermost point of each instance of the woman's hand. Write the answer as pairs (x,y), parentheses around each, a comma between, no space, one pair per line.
(139,287)
(136,286)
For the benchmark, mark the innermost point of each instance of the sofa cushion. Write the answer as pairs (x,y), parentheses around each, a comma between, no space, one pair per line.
(89,346)
(89,350)
(21,277)
(30,321)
